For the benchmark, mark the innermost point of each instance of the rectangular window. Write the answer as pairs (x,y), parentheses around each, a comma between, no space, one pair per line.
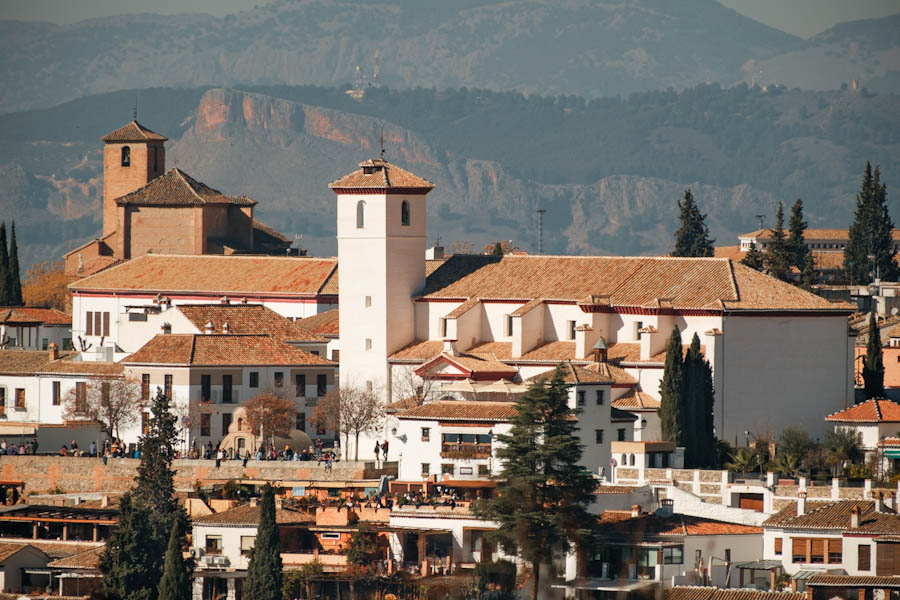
(301,421)
(483,471)
(673,555)
(599,397)
(598,436)
(56,394)
(864,558)
(98,323)
(509,325)
(145,387)
(443,327)
(45,344)
(368,344)
(368,301)
(817,551)
(89,323)
(106,324)
(104,391)
(798,550)
(426,469)
(620,435)
(247,542)
(204,424)
(321,384)
(778,547)
(67,343)
(205,388)
(638,325)
(426,434)
(2,401)
(447,469)
(167,386)
(20,397)
(137,316)
(227,389)
(581,395)
(300,384)
(571,327)
(835,551)
(213,544)
(80,396)
(278,379)
(465,470)
(254,379)
(226,423)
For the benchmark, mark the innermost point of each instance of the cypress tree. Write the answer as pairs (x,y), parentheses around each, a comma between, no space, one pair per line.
(4,267)
(176,580)
(14,285)
(697,420)
(871,233)
(542,493)
(754,258)
(801,255)
(778,256)
(130,557)
(671,391)
(873,367)
(692,238)
(264,573)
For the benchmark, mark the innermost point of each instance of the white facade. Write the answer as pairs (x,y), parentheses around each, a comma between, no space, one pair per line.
(850,551)
(35,337)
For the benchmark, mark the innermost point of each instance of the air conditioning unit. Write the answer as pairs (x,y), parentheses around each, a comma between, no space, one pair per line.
(220,561)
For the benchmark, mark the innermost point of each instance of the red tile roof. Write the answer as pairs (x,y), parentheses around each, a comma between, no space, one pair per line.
(380,174)
(26,314)
(9,549)
(132,132)
(853,581)
(635,400)
(870,411)
(713,593)
(221,350)
(83,367)
(177,188)
(473,364)
(576,374)
(836,516)
(23,362)
(418,351)
(221,275)
(462,410)
(247,515)
(621,522)
(246,319)
(812,234)
(325,323)
(88,559)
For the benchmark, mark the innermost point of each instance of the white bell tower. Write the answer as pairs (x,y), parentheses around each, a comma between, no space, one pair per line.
(381,233)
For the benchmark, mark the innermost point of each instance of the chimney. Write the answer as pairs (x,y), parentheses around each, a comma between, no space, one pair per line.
(224,300)
(450,347)
(104,501)
(209,328)
(635,510)
(889,500)
(166,328)
(879,502)
(801,504)
(225,329)
(253,501)
(854,517)
(54,351)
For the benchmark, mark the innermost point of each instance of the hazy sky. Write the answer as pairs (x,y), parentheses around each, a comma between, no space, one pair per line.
(799,17)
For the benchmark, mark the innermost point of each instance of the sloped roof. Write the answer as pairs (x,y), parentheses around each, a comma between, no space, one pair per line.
(870,411)
(418,351)
(83,367)
(324,323)
(635,400)
(23,362)
(462,410)
(9,549)
(177,188)
(88,559)
(380,174)
(26,314)
(246,319)
(812,234)
(247,515)
(133,132)
(220,275)
(221,350)
(575,374)
(836,516)
(714,593)
(471,363)
(621,522)
(853,581)
(649,282)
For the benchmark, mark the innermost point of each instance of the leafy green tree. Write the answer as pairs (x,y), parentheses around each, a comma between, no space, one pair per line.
(671,391)
(870,244)
(692,238)
(130,560)
(873,367)
(778,256)
(786,464)
(744,460)
(842,446)
(14,285)
(794,441)
(363,549)
(4,267)
(754,258)
(264,573)
(297,580)
(176,580)
(542,492)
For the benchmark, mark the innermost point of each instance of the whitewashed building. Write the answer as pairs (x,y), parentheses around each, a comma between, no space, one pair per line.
(30,328)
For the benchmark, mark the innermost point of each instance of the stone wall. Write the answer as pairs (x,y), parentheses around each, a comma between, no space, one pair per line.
(69,474)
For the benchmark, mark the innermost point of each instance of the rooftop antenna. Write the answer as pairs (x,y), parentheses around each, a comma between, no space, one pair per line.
(381,141)
(540,213)
(760,219)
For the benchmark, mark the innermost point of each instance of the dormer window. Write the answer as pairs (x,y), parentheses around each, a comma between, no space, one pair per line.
(360,214)
(126,156)
(404,213)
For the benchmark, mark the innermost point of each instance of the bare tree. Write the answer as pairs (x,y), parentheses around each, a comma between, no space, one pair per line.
(113,402)
(190,416)
(352,411)
(407,385)
(272,413)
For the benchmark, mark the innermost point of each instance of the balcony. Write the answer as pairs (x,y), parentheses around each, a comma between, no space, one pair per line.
(463,450)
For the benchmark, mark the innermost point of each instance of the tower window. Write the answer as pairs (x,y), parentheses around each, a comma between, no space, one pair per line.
(126,156)
(360,214)
(404,213)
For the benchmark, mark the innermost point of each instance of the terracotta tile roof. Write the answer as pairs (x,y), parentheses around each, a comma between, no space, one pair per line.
(630,353)
(246,319)
(713,593)
(24,314)
(432,265)
(870,411)
(828,260)
(621,522)
(651,282)
(177,188)
(220,275)
(527,307)
(325,323)
(733,252)
(221,350)
(812,234)
(836,516)
(248,515)
(463,308)
(575,374)
(330,287)
(8,549)
(474,364)
(97,264)
(851,581)
(23,362)
(83,367)
(259,227)
(635,400)
(62,549)
(552,352)
(132,132)
(418,351)
(380,174)
(88,559)
(462,410)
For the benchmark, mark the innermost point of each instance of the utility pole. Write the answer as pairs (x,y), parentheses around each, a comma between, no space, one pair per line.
(540,213)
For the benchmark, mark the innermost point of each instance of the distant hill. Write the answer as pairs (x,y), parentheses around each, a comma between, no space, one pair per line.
(586,47)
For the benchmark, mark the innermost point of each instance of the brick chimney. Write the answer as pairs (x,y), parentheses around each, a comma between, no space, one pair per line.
(54,351)
(801,504)
(879,502)
(854,517)
(166,328)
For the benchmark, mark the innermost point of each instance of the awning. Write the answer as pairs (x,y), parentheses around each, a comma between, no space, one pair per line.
(760,565)
(805,574)
(892,452)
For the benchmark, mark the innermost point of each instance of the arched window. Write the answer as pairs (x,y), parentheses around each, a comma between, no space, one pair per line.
(360,214)
(404,213)
(631,460)
(126,156)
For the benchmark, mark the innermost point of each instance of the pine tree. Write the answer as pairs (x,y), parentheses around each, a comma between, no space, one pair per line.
(692,238)
(264,573)
(542,493)
(808,274)
(873,367)
(130,558)
(801,255)
(778,255)
(14,285)
(176,580)
(671,390)
(754,258)
(870,250)
(697,417)
(4,267)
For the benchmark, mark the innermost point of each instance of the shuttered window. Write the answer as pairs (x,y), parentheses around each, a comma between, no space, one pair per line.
(778,542)
(817,554)
(864,558)
(89,323)
(798,550)
(835,551)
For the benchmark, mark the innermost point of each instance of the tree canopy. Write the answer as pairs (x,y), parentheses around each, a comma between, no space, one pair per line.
(692,238)
(264,572)
(873,367)
(870,248)
(778,257)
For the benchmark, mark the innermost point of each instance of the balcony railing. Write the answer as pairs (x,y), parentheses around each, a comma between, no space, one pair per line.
(450,450)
